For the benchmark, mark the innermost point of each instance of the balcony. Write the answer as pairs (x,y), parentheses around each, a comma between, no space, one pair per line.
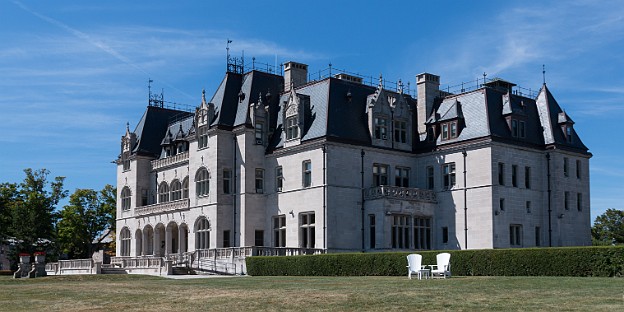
(170,161)
(402,193)
(162,207)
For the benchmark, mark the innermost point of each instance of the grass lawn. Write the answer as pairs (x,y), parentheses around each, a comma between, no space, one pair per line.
(139,293)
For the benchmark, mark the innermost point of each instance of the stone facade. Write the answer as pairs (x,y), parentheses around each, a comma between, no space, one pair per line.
(337,165)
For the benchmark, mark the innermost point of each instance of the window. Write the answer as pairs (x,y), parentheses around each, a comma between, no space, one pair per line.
(202,139)
(430,178)
(528,206)
(579,201)
(226,239)
(501,204)
(306,227)
(259,181)
(521,129)
(371,231)
(202,234)
(453,132)
(445,235)
(501,173)
(400,131)
(259,130)
(176,190)
(568,133)
(125,242)
(202,182)
(449,130)
(445,132)
(566,200)
(430,134)
(279,179)
(400,231)
(381,128)
(279,231)
(527,177)
(565,167)
(514,175)
(448,170)
(126,161)
(227,181)
(292,128)
(380,174)
(538,236)
(422,233)
(143,197)
(185,188)
(259,238)
(401,176)
(514,128)
(578,169)
(307,173)
(515,235)
(126,198)
(163,192)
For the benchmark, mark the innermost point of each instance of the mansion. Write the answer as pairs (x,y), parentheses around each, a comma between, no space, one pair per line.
(339,165)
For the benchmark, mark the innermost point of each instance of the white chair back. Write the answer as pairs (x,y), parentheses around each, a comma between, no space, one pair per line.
(443,260)
(414,261)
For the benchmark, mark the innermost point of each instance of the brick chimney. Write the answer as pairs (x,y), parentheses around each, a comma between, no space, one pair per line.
(428,88)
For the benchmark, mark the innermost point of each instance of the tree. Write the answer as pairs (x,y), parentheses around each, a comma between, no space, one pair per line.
(33,215)
(609,227)
(8,193)
(88,219)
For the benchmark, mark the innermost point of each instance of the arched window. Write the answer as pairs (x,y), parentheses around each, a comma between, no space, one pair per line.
(125,198)
(202,234)
(163,192)
(202,182)
(176,190)
(185,188)
(125,242)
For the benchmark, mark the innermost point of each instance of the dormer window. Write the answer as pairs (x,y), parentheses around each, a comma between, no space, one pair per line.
(518,128)
(202,140)
(381,128)
(125,158)
(259,129)
(568,132)
(449,130)
(430,134)
(292,128)
(400,131)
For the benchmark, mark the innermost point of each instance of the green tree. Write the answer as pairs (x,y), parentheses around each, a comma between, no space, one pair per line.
(88,218)
(8,193)
(33,215)
(609,227)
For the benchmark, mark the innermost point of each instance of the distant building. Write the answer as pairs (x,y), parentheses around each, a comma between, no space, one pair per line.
(5,264)
(339,165)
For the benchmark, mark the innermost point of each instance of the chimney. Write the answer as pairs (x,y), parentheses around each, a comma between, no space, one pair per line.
(295,74)
(428,88)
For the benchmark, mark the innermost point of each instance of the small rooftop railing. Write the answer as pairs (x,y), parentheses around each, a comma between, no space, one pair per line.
(476,84)
(396,192)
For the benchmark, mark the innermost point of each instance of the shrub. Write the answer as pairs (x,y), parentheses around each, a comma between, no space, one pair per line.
(564,261)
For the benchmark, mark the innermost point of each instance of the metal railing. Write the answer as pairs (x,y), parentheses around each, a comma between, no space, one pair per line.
(396,192)
(158,208)
(170,161)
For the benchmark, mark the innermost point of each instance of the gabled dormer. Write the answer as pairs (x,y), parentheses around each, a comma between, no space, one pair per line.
(446,122)
(379,110)
(128,141)
(204,115)
(566,124)
(514,112)
(294,119)
(259,118)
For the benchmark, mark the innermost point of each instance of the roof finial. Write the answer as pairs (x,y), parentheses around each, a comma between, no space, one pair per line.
(203,96)
(400,86)
(544,73)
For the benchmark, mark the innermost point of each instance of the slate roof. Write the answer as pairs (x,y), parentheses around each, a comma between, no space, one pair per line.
(551,116)
(151,128)
(177,131)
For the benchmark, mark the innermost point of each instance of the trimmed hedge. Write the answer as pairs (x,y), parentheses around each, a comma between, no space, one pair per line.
(565,261)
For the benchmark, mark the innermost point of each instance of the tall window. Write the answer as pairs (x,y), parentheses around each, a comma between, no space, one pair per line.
(400,231)
(566,199)
(430,178)
(380,174)
(202,140)
(279,179)
(125,158)
(579,201)
(568,134)
(371,231)
(514,175)
(401,176)
(578,169)
(292,128)
(202,234)
(259,238)
(163,192)
(527,177)
(306,227)
(528,206)
(307,173)
(448,171)
(176,190)
(259,180)
(515,235)
(422,233)
(125,198)
(202,182)
(501,204)
(514,128)
(566,172)
(185,188)
(125,242)
(400,131)
(381,128)
(227,181)
(259,130)
(226,239)
(538,236)
(430,134)
(501,173)
(445,132)
(521,129)
(279,231)
(453,128)
(445,235)
(449,130)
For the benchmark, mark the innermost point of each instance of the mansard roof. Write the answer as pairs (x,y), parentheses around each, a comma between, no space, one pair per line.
(150,129)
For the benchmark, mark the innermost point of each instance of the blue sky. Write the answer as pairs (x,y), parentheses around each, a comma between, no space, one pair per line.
(73,73)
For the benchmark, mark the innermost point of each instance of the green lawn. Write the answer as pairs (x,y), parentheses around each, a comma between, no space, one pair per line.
(139,293)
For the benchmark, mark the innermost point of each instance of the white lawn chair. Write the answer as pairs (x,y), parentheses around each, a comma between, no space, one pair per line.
(414,265)
(443,266)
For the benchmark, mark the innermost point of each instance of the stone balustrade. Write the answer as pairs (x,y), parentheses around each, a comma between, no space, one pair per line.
(170,161)
(180,204)
(397,192)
